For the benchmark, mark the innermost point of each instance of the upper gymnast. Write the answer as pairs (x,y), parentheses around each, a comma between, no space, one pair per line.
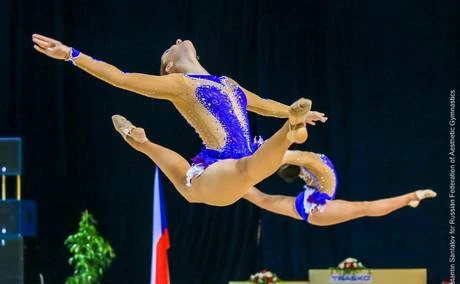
(216,107)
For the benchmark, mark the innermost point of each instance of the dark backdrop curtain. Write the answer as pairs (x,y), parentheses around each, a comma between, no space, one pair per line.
(379,70)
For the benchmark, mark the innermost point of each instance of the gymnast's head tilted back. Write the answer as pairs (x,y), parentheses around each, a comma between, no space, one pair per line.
(178,57)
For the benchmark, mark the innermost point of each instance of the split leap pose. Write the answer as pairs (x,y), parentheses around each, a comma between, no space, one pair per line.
(216,107)
(316,204)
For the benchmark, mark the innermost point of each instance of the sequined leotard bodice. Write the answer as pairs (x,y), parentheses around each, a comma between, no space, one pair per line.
(320,186)
(217,111)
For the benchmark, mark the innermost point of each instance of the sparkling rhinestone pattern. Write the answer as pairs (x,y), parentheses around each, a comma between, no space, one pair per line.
(320,188)
(225,101)
(323,181)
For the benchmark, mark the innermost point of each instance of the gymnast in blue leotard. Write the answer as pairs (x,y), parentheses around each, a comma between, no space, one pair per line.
(316,203)
(216,107)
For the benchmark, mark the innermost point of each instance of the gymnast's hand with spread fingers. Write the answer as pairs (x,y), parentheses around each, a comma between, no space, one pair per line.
(51,47)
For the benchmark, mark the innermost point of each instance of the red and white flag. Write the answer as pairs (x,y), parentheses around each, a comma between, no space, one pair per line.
(160,268)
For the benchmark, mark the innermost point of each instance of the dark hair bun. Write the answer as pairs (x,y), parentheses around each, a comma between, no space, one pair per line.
(289,173)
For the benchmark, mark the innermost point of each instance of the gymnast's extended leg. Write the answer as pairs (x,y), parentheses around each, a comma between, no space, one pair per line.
(173,165)
(336,211)
(339,211)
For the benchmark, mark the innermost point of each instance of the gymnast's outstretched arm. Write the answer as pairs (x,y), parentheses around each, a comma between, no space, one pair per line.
(168,87)
(267,107)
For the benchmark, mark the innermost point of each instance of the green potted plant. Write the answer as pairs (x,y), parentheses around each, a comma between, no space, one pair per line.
(91,253)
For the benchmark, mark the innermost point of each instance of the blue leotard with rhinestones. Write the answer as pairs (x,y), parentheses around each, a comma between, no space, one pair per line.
(213,97)
(315,196)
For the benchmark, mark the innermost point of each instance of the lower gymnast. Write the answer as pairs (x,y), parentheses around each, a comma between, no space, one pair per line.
(316,204)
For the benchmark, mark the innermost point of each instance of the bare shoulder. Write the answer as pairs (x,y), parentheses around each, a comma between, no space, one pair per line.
(175,78)
(177,84)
